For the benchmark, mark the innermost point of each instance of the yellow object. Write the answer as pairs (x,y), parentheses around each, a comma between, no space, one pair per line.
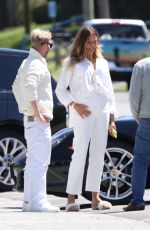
(114,132)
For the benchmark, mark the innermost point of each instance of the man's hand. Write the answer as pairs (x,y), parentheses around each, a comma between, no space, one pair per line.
(42,118)
(37,114)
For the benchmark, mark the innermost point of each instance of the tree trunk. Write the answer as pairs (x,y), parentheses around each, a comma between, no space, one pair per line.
(102,8)
(88,9)
(11,12)
(27,16)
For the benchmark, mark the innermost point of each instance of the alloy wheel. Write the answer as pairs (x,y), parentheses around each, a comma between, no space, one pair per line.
(9,149)
(116,178)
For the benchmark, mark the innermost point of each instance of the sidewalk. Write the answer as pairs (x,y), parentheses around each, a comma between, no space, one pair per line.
(12,217)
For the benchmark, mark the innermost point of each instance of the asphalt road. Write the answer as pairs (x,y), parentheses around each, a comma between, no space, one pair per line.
(121,99)
(12,217)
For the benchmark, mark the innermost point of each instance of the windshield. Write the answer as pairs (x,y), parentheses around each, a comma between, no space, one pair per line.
(108,31)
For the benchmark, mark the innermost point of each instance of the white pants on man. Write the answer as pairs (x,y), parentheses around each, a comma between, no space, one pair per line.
(38,137)
(93,130)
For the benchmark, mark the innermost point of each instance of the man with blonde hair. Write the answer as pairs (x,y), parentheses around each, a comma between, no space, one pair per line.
(33,92)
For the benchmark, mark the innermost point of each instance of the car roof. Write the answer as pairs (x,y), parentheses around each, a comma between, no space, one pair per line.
(109,20)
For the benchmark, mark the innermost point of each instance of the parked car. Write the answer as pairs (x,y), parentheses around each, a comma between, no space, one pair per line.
(12,141)
(116,178)
(124,42)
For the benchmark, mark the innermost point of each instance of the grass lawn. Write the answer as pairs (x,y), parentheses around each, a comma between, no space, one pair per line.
(14,37)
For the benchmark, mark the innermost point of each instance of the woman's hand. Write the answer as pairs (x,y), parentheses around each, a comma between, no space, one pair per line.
(81,109)
(112,129)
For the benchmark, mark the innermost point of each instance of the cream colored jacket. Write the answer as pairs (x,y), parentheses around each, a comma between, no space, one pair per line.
(33,82)
(84,81)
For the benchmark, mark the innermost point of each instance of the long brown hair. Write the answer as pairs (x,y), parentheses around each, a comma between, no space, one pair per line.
(77,53)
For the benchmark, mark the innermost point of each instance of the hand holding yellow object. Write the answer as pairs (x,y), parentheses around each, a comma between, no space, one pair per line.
(112,131)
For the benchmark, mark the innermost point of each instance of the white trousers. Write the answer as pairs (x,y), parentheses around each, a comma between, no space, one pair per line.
(93,129)
(38,138)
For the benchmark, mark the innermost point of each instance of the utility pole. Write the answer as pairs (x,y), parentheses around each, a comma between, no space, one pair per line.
(88,9)
(103,8)
(27,16)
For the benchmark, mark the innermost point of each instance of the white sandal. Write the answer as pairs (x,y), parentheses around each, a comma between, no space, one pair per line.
(72,207)
(102,205)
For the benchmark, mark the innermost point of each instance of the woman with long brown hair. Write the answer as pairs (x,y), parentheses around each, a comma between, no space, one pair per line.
(91,98)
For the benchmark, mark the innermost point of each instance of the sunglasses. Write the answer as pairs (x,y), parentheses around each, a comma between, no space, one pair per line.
(50,44)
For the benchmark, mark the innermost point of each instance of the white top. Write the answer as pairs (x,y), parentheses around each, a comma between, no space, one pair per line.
(33,82)
(86,83)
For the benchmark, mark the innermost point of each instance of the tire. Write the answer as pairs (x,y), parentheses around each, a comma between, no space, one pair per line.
(12,143)
(116,178)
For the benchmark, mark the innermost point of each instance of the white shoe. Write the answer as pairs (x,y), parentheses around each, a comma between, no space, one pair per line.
(72,207)
(26,207)
(45,207)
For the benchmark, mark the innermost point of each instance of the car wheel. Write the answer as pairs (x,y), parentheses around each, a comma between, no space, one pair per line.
(116,178)
(12,144)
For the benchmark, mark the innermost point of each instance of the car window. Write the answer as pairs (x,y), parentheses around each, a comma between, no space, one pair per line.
(119,31)
(9,65)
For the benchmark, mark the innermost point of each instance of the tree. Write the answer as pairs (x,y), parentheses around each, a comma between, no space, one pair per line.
(27,16)
(130,9)
(70,8)
(102,8)
(88,9)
